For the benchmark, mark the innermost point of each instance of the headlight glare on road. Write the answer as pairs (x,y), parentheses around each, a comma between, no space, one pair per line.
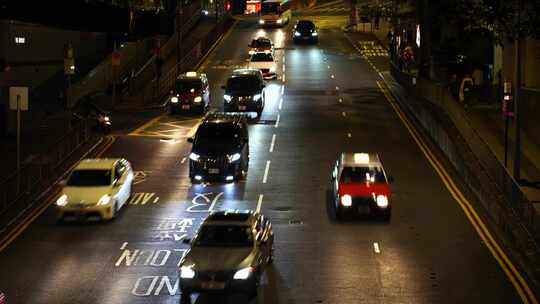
(243,273)
(346,200)
(187,272)
(174,99)
(297,34)
(194,156)
(104,200)
(234,157)
(62,200)
(227,97)
(382,201)
(197,99)
(256,97)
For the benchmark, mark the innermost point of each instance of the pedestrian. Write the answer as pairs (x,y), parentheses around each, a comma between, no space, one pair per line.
(466,90)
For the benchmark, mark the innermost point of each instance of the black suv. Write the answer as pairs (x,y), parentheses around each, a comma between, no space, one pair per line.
(305,30)
(244,91)
(220,148)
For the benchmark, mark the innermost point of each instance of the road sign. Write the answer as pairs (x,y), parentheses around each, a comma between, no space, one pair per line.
(20,93)
(116,57)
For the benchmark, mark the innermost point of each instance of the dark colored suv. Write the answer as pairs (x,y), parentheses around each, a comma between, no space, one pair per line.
(244,91)
(305,30)
(220,148)
(190,94)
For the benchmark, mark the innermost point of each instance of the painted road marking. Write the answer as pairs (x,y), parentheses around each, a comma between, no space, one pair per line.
(141,198)
(283,78)
(277,121)
(140,176)
(280,103)
(259,203)
(344,114)
(332,76)
(340,100)
(146,125)
(124,246)
(494,248)
(376,247)
(272,143)
(283,68)
(329,67)
(183,160)
(349,135)
(211,208)
(206,202)
(156,200)
(282,89)
(265,177)
(337,88)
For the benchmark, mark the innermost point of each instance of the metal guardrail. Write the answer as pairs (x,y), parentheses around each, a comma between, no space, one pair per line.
(41,172)
(478,166)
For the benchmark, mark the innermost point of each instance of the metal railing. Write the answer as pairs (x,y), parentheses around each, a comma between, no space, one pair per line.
(17,190)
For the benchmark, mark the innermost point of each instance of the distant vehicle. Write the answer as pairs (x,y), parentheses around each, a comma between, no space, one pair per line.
(245,92)
(261,44)
(360,186)
(97,187)
(265,63)
(275,13)
(190,94)
(220,148)
(305,30)
(229,254)
(88,109)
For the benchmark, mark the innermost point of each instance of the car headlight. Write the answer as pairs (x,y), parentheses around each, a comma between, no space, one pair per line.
(187,272)
(251,52)
(382,201)
(234,157)
(106,119)
(346,200)
(279,21)
(62,200)
(256,97)
(261,21)
(227,97)
(197,99)
(297,34)
(314,34)
(243,273)
(194,156)
(104,200)
(174,99)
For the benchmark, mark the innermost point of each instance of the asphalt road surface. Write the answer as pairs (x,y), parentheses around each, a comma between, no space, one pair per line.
(325,101)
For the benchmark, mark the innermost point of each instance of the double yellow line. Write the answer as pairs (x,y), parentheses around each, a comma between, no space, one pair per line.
(29,219)
(517,280)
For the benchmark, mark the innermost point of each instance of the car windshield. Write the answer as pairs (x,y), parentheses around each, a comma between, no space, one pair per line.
(242,83)
(188,86)
(218,134)
(260,43)
(362,175)
(262,57)
(224,236)
(306,25)
(270,8)
(90,178)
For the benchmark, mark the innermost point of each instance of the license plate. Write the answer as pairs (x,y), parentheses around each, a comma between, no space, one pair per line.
(213,285)
(213,171)
(185,107)
(242,108)
(363,209)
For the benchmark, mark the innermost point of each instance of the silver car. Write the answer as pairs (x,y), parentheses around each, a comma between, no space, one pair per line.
(228,255)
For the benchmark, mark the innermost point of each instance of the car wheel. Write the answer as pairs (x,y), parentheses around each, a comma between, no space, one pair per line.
(386,216)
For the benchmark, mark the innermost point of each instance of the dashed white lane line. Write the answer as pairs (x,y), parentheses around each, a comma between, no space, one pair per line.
(349,135)
(344,114)
(272,143)
(332,76)
(283,78)
(124,246)
(277,121)
(282,90)
(183,160)
(340,100)
(156,200)
(376,247)
(284,68)
(280,103)
(265,177)
(259,203)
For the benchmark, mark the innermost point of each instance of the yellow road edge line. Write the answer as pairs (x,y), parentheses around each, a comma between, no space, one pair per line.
(484,233)
(146,125)
(20,228)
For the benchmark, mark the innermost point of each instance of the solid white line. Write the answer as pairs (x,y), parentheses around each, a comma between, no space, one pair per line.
(277,121)
(376,247)
(272,143)
(259,203)
(283,78)
(183,160)
(280,103)
(282,89)
(124,246)
(265,177)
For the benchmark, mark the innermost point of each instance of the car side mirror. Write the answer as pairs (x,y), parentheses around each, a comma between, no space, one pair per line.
(390,179)
(186,241)
(223,87)
(190,140)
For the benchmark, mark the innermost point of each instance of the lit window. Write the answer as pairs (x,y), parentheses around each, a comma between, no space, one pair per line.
(20,40)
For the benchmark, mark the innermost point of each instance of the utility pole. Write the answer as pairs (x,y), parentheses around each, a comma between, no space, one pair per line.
(517,95)
(179,24)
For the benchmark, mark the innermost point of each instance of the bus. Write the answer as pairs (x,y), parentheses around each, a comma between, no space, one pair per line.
(275,12)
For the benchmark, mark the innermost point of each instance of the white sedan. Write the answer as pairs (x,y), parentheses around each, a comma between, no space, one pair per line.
(265,62)
(96,187)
